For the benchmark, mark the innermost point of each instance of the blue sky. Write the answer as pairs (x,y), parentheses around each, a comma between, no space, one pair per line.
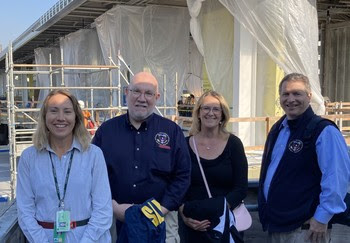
(17,15)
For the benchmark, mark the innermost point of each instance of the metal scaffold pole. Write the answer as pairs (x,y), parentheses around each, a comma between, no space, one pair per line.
(164,94)
(62,69)
(176,94)
(119,85)
(11,122)
(50,69)
(110,77)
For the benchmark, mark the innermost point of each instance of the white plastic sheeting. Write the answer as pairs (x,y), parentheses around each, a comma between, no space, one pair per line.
(154,38)
(42,56)
(212,31)
(79,48)
(193,80)
(286,30)
(83,48)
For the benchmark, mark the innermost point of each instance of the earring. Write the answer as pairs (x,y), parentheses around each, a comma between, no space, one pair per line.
(220,123)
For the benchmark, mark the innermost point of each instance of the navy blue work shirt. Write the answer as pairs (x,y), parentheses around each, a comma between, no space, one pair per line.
(152,161)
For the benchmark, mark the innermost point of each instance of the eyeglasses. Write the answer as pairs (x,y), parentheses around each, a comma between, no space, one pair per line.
(137,93)
(207,109)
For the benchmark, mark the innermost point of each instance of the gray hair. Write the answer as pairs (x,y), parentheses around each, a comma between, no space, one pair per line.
(292,77)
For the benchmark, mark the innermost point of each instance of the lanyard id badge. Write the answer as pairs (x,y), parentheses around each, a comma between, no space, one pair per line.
(62,222)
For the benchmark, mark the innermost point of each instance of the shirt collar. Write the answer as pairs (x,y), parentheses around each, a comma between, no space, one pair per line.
(293,124)
(284,123)
(75,145)
(144,124)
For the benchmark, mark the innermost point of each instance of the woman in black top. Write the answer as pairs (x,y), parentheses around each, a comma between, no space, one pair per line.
(224,163)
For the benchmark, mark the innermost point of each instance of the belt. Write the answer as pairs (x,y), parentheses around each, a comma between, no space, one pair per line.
(307,226)
(73,224)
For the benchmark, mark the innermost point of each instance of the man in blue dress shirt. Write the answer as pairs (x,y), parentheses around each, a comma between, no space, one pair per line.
(302,183)
(146,155)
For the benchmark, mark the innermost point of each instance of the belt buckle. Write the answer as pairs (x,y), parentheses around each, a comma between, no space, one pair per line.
(73,224)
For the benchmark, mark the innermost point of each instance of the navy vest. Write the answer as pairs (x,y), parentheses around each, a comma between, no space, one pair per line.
(295,187)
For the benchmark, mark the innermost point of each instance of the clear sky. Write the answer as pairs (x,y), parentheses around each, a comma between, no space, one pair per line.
(17,15)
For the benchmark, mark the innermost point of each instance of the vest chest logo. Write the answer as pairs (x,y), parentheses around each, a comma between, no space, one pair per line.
(162,139)
(295,146)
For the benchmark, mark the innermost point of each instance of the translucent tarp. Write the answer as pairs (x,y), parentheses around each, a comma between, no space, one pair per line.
(42,56)
(232,37)
(79,48)
(193,81)
(83,48)
(214,25)
(286,30)
(152,38)
(149,38)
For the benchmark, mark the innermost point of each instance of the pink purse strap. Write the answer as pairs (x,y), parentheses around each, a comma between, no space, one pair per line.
(201,168)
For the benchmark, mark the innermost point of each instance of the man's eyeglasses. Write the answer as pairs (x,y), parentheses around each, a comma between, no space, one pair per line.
(137,93)
(207,109)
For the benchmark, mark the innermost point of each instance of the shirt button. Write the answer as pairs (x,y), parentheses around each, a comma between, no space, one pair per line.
(138,132)
(137,149)
(136,167)
(134,185)
(64,156)
(146,128)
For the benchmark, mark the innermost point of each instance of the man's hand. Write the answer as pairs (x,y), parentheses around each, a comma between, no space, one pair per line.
(119,210)
(317,231)
(194,224)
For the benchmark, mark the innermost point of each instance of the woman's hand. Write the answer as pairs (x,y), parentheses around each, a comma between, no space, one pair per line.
(193,223)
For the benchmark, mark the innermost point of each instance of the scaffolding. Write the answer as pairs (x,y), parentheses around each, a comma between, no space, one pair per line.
(21,120)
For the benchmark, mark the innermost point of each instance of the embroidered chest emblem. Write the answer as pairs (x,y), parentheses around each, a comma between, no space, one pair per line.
(162,139)
(295,146)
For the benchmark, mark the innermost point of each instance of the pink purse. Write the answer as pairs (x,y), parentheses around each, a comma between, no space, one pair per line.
(242,216)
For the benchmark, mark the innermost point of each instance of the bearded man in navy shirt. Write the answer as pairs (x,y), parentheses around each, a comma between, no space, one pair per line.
(146,155)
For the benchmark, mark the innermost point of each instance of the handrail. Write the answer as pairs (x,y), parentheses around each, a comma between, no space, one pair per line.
(10,230)
(269,121)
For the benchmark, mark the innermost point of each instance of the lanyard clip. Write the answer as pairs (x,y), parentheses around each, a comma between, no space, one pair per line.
(61,204)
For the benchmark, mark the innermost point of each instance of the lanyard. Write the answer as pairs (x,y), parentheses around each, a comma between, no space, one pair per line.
(61,200)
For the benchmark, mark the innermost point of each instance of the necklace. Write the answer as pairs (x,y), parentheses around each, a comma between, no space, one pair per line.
(206,146)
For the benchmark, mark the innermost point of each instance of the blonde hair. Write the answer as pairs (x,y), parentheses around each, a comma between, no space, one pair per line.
(41,135)
(196,123)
